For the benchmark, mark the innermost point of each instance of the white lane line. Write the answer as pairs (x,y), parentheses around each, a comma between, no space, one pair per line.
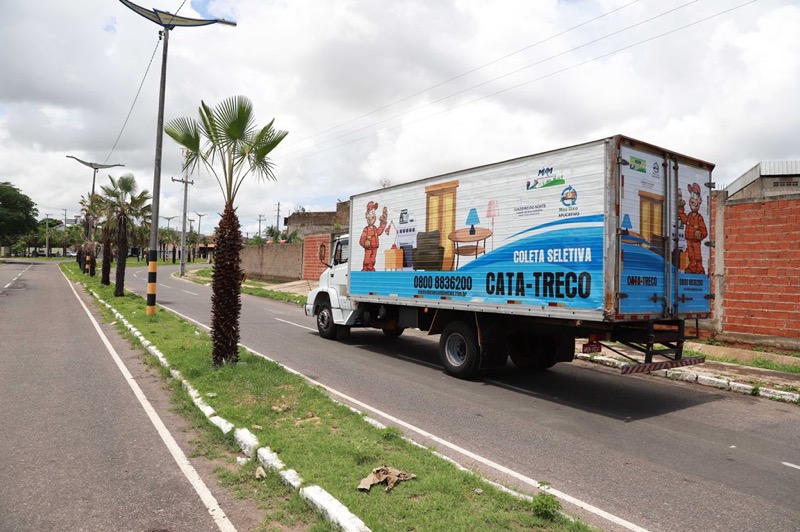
(6,286)
(787,464)
(469,454)
(177,454)
(295,324)
(192,293)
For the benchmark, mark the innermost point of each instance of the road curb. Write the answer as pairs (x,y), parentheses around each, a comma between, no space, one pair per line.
(322,501)
(702,379)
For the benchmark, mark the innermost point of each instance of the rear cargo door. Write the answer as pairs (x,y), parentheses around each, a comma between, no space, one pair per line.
(645,288)
(664,214)
(691,253)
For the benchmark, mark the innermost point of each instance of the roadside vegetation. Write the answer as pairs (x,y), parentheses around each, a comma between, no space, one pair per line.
(325,442)
(252,287)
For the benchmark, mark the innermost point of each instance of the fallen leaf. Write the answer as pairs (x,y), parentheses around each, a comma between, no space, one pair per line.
(260,473)
(389,475)
(258,427)
(211,394)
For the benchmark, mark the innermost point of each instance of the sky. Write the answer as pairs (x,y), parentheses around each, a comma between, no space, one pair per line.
(375,92)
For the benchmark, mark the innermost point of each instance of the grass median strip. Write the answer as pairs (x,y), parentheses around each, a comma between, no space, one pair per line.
(330,445)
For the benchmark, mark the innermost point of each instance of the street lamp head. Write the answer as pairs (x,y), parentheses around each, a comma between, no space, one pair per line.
(95,166)
(169,21)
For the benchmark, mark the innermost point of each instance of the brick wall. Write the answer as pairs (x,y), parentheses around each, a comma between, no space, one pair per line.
(312,267)
(762,268)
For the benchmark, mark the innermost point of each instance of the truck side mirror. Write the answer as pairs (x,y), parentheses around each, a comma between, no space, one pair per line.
(323,255)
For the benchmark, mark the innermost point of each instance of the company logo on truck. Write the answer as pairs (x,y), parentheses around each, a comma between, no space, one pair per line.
(637,164)
(544,178)
(569,196)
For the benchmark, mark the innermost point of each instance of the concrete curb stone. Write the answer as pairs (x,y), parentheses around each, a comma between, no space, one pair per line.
(704,380)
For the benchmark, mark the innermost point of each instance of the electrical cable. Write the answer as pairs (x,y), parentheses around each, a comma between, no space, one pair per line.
(138,92)
(541,61)
(603,56)
(459,76)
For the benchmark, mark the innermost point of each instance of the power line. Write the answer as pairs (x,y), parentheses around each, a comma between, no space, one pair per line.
(492,80)
(141,84)
(507,89)
(459,76)
(135,99)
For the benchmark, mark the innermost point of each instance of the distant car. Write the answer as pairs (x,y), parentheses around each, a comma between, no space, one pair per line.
(71,254)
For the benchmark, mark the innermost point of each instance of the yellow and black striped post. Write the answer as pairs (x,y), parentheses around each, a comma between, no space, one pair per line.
(152,270)
(86,264)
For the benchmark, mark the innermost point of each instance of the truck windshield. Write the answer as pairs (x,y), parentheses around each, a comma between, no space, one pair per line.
(342,252)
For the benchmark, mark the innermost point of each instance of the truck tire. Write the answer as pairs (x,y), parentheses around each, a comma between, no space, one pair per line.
(325,325)
(393,333)
(458,350)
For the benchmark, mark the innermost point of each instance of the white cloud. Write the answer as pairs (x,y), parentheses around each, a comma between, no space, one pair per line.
(723,90)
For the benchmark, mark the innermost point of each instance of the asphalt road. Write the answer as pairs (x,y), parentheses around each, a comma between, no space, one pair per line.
(78,451)
(656,454)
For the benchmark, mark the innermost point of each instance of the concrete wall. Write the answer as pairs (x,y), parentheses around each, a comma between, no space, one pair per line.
(274,262)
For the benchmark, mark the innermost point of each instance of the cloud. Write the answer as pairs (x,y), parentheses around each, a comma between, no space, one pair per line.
(360,87)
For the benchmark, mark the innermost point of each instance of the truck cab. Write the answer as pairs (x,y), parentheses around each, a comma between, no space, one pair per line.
(330,301)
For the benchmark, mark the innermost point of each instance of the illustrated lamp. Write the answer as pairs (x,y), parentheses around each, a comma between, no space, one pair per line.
(626,223)
(491,213)
(472,219)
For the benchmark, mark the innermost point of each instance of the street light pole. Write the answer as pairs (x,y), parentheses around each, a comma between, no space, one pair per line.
(95,167)
(168,219)
(167,21)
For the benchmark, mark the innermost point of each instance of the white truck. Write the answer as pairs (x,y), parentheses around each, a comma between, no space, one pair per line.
(606,240)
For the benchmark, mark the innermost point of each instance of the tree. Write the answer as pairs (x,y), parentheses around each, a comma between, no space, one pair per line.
(17,213)
(227,136)
(125,208)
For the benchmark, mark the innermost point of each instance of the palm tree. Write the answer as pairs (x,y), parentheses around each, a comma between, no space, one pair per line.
(92,214)
(227,135)
(125,207)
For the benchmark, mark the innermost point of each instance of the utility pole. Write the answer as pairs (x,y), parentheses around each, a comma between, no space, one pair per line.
(261,218)
(278,220)
(186,184)
(47,235)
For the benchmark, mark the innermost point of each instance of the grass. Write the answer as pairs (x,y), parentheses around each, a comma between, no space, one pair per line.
(762,349)
(327,443)
(757,362)
(254,288)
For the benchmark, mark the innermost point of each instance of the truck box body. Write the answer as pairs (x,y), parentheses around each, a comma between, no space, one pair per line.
(608,231)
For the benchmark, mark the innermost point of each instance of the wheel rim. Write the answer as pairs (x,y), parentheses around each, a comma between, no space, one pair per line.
(324,319)
(456,350)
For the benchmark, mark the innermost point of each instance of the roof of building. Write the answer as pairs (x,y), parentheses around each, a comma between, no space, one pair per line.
(762,169)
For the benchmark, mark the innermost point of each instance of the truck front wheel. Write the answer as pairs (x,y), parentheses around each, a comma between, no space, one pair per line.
(325,325)
(458,350)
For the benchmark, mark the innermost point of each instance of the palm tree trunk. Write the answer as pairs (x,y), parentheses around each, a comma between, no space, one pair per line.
(122,255)
(226,303)
(105,276)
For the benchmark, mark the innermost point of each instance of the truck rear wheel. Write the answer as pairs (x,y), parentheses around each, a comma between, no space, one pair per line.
(458,350)
(325,325)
